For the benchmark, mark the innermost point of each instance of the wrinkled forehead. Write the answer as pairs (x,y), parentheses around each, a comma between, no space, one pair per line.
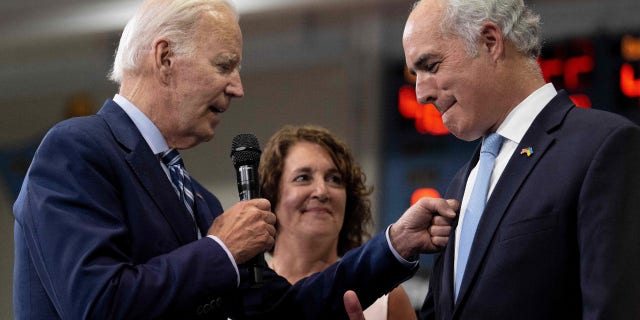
(215,28)
(422,34)
(223,21)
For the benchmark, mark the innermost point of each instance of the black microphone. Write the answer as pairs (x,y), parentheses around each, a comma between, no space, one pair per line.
(245,155)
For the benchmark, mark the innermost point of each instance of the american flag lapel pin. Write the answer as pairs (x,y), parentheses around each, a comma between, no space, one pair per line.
(528,151)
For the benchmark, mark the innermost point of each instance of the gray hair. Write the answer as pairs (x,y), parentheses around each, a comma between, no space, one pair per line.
(172,19)
(519,24)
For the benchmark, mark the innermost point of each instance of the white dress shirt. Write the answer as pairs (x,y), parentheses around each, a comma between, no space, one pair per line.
(513,128)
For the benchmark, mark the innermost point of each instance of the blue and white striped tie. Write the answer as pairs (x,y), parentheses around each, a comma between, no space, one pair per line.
(180,180)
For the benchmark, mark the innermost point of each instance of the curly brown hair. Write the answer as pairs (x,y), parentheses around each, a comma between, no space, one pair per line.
(357,217)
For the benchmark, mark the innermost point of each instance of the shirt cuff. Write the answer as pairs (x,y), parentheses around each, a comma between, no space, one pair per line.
(233,262)
(403,261)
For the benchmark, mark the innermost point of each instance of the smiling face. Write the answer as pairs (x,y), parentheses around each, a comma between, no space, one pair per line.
(312,194)
(459,85)
(203,83)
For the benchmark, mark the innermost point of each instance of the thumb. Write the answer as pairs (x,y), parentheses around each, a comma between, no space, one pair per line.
(352,306)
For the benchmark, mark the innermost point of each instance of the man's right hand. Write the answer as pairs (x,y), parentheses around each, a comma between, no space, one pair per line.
(247,229)
(424,227)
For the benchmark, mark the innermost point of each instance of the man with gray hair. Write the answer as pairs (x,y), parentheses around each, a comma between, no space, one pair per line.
(109,224)
(549,204)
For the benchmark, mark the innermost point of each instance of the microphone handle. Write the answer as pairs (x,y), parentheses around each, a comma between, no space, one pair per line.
(249,188)
(256,267)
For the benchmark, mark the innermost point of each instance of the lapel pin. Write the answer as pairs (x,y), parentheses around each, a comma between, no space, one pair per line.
(527,151)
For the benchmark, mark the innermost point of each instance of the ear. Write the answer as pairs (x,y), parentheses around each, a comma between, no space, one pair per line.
(163,60)
(492,41)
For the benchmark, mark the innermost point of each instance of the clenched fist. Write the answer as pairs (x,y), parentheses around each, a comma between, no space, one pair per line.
(424,227)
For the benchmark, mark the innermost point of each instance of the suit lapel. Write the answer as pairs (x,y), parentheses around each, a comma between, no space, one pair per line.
(447,301)
(202,213)
(148,170)
(152,177)
(518,168)
(455,190)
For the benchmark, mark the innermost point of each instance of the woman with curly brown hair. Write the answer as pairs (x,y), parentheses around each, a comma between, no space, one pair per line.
(320,199)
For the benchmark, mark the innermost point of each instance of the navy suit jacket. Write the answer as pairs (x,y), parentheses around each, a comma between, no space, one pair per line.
(100,233)
(559,235)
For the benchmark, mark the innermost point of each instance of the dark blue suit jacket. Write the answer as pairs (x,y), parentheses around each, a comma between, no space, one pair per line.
(100,233)
(559,235)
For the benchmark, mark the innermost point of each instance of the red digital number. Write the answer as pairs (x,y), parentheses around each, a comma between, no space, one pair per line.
(427,119)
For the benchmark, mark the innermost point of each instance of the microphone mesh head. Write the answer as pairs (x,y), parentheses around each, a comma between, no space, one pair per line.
(245,150)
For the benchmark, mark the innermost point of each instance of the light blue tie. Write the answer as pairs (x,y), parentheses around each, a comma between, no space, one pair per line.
(490,148)
(180,179)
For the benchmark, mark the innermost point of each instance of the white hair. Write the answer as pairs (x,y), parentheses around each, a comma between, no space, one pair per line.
(519,24)
(172,19)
